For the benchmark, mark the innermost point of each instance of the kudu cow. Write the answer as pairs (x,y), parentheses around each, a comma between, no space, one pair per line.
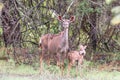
(56,44)
(78,56)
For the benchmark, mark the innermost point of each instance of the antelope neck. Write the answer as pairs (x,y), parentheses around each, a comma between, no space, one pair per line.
(65,35)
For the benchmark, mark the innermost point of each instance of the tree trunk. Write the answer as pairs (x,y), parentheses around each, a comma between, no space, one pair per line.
(93,30)
(10,23)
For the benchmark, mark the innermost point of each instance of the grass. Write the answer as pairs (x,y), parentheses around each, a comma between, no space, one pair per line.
(89,71)
(9,71)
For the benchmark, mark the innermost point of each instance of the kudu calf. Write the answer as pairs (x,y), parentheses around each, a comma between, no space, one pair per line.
(78,56)
(56,44)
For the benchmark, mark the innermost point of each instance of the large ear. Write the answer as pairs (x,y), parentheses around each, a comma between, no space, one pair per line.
(60,18)
(81,47)
(72,18)
(85,47)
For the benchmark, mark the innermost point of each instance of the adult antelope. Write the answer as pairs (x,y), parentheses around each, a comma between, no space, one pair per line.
(56,44)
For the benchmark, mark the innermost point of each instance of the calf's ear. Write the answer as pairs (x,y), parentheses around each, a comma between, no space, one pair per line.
(81,47)
(85,47)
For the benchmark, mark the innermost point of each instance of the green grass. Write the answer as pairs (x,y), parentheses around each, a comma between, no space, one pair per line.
(89,71)
(10,71)
(103,75)
(10,67)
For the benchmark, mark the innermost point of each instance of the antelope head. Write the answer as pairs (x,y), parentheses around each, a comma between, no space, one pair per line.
(66,22)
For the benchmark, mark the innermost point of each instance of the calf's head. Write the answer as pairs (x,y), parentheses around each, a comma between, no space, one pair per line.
(82,50)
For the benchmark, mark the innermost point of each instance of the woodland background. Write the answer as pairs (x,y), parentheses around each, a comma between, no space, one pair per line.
(97,24)
(24,21)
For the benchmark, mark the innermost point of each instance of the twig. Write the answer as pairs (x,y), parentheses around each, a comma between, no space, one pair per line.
(69,7)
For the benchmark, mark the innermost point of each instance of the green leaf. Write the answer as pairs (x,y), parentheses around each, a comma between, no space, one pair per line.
(108,1)
(116,10)
(115,20)
(1,6)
